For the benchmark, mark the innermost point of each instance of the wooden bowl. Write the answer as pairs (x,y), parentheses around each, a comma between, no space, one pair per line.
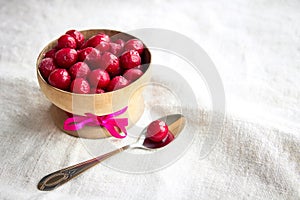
(97,104)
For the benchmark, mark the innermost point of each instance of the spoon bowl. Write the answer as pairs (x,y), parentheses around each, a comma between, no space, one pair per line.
(175,124)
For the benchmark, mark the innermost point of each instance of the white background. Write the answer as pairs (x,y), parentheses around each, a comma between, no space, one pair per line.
(255,46)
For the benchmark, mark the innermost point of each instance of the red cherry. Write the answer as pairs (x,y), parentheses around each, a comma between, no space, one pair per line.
(50,54)
(80,86)
(60,79)
(84,45)
(134,44)
(170,137)
(78,36)
(79,70)
(110,63)
(150,144)
(141,67)
(116,83)
(99,78)
(133,74)
(66,41)
(96,91)
(120,42)
(46,66)
(96,39)
(91,56)
(157,131)
(116,49)
(103,46)
(130,59)
(66,57)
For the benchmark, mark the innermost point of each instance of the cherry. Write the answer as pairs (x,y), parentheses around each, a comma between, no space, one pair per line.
(46,66)
(80,86)
(66,41)
(116,83)
(78,36)
(157,131)
(50,54)
(150,144)
(134,44)
(120,42)
(96,90)
(103,37)
(96,39)
(116,49)
(110,63)
(170,137)
(66,57)
(130,59)
(142,67)
(60,78)
(91,56)
(103,46)
(133,74)
(99,78)
(79,70)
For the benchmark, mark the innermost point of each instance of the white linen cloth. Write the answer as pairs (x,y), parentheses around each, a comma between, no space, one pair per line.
(255,46)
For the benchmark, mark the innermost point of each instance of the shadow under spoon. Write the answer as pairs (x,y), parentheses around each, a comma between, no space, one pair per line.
(175,123)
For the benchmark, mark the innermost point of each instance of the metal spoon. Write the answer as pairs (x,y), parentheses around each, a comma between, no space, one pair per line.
(175,123)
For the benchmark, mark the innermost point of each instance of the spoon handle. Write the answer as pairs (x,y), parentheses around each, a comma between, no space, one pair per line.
(62,176)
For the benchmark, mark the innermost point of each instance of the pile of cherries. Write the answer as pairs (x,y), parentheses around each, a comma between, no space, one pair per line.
(158,135)
(95,65)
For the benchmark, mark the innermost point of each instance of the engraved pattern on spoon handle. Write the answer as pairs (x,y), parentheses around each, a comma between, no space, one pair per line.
(62,176)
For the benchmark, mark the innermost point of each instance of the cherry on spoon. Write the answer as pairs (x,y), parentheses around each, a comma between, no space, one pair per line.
(175,125)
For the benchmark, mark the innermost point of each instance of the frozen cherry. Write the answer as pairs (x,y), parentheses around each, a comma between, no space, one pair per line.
(80,86)
(96,39)
(46,66)
(130,59)
(78,36)
(99,78)
(110,63)
(66,57)
(91,56)
(120,42)
(60,78)
(116,83)
(50,54)
(116,49)
(96,90)
(79,70)
(134,44)
(133,74)
(157,131)
(66,41)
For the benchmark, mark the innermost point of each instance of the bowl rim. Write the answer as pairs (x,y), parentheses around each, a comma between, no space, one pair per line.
(40,57)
